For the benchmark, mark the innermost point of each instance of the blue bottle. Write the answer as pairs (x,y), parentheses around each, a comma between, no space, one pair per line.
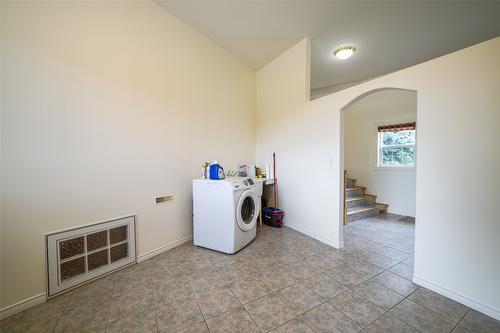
(216,171)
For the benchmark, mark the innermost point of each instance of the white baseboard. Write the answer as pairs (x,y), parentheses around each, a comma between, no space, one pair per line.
(163,248)
(487,310)
(22,305)
(41,298)
(390,211)
(309,233)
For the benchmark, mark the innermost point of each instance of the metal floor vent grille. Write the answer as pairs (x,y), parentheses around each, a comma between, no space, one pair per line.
(81,254)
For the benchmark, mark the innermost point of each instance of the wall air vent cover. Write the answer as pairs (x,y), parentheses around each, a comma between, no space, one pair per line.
(78,255)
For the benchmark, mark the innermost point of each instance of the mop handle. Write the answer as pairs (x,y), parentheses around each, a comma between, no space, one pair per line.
(274,184)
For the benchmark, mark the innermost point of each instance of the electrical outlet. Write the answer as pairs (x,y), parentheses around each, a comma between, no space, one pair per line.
(165,198)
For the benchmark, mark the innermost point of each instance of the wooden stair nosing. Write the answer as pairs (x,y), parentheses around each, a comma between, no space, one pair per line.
(382,206)
(362,197)
(356,188)
(363,209)
(351,199)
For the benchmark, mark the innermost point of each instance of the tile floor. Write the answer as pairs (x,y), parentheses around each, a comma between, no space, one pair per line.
(282,282)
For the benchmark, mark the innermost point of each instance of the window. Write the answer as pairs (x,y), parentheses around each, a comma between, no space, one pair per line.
(396,145)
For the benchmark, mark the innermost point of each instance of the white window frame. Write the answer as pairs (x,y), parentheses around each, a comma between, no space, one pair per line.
(379,148)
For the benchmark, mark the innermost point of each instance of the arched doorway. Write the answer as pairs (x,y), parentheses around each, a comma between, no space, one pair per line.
(378,149)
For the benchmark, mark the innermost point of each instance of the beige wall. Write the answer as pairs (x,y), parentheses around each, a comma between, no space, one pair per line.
(106,105)
(458,186)
(393,186)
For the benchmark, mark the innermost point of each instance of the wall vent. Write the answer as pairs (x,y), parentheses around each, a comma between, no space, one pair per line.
(78,255)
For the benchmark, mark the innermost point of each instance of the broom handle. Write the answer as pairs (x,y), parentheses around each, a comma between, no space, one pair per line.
(274,184)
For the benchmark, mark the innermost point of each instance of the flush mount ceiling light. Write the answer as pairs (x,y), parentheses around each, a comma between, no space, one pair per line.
(344,52)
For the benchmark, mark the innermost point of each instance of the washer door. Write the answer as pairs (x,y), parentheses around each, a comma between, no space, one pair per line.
(247,210)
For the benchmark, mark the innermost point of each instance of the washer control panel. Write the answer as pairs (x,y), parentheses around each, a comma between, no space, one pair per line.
(243,183)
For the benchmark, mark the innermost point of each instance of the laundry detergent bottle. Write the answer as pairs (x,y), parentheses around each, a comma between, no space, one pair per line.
(216,171)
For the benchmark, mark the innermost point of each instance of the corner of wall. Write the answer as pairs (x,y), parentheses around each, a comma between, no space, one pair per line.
(308,69)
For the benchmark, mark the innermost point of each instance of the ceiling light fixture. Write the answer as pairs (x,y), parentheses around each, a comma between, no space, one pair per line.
(344,52)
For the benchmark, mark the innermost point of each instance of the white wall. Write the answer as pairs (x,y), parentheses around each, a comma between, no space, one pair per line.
(306,166)
(106,105)
(458,185)
(396,187)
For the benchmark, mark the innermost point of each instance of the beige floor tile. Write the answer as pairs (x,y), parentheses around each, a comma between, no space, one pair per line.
(423,319)
(52,307)
(198,328)
(220,260)
(94,294)
(188,282)
(269,312)
(326,319)
(480,323)
(250,289)
(395,282)
(143,322)
(442,305)
(346,276)
(378,294)
(296,325)
(363,267)
(389,324)
(171,291)
(235,320)
(380,259)
(403,270)
(283,257)
(130,304)
(92,319)
(356,307)
(235,272)
(277,279)
(178,315)
(216,300)
(206,280)
(461,329)
(324,261)
(38,325)
(300,298)
(125,287)
(300,269)
(324,286)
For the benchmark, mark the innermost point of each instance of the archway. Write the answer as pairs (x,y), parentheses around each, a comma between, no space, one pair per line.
(382,157)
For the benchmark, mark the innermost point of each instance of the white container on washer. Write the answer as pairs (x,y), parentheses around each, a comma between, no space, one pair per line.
(251,171)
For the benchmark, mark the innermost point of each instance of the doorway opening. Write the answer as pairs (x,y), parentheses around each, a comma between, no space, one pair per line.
(379,165)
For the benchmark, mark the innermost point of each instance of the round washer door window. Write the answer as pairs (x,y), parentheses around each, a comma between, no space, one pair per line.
(247,210)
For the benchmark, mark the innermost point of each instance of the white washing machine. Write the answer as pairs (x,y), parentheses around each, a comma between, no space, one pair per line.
(225,213)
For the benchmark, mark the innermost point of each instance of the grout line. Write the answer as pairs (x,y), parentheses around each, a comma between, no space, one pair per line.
(362,254)
(431,310)
(62,312)
(199,307)
(461,319)
(362,327)
(388,311)
(154,310)
(109,308)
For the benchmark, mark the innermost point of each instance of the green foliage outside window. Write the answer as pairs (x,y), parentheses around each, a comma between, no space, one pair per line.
(397,148)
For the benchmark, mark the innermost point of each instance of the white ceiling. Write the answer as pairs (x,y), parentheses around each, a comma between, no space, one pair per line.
(389,35)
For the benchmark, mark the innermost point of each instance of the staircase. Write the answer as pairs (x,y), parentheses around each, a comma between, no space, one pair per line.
(359,204)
